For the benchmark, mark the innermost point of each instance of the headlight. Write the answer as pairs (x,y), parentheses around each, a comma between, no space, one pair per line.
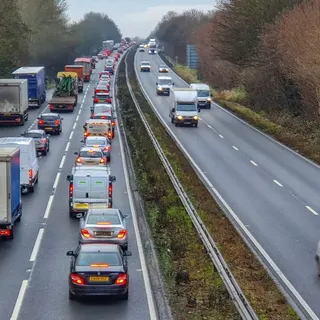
(209,99)
(180,117)
(160,89)
(195,117)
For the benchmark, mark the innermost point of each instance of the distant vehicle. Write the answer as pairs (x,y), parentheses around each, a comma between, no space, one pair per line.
(145,66)
(50,122)
(163,68)
(109,116)
(204,94)
(97,127)
(10,195)
(141,49)
(86,62)
(90,156)
(36,84)
(41,140)
(98,269)
(163,85)
(184,107)
(104,226)
(102,97)
(100,142)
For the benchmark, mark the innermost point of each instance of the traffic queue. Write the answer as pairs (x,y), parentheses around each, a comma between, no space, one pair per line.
(98,265)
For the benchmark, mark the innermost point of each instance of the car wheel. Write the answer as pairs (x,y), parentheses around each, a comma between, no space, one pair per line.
(71,296)
(108,159)
(71,214)
(196,125)
(125,296)
(48,149)
(44,152)
(31,189)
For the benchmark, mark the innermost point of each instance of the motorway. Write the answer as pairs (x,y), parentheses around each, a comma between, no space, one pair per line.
(34,266)
(272,190)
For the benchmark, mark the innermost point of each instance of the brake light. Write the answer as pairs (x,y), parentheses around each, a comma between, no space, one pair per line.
(99,265)
(78,160)
(51,107)
(85,233)
(109,100)
(96,100)
(113,123)
(102,160)
(110,190)
(41,121)
(71,190)
(109,134)
(6,232)
(122,233)
(57,122)
(93,115)
(102,117)
(86,134)
(77,279)
(30,174)
(43,140)
(122,279)
(107,148)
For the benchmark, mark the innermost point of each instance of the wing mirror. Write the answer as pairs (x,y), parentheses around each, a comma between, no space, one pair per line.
(112,178)
(156,83)
(70,253)
(172,110)
(76,153)
(199,109)
(126,253)
(84,126)
(82,141)
(68,177)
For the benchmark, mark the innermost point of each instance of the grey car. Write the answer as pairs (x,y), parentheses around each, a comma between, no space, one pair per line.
(90,156)
(104,226)
(41,140)
(99,142)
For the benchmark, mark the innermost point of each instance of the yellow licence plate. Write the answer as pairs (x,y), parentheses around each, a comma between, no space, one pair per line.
(99,279)
(48,128)
(81,205)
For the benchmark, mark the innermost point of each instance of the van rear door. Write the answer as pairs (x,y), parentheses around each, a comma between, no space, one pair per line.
(81,188)
(25,164)
(99,188)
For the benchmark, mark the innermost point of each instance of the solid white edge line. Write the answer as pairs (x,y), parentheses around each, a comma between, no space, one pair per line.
(311,210)
(145,273)
(231,212)
(278,183)
(62,162)
(71,135)
(48,208)
(56,181)
(18,305)
(67,147)
(36,246)
(253,163)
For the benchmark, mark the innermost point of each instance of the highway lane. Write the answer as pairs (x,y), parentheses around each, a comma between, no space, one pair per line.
(48,286)
(273,208)
(15,254)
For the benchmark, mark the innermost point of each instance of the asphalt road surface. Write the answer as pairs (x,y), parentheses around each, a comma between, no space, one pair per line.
(273,191)
(34,266)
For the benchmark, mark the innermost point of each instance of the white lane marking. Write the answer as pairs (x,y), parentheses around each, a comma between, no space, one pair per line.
(74,126)
(311,210)
(235,148)
(48,208)
(209,126)
(62,162)
(36,246)
(278,183)
(18,305)
(80,111)
(77,118)
(67,147)
(245,230)
(56,181)
(253,163)
(71,135)
(220,136)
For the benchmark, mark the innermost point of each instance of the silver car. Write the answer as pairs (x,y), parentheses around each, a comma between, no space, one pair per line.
(99,142)
(90,156)
(104,226)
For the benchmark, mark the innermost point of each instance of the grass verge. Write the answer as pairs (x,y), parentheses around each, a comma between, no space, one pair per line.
(302,135)
(194,288)
(259,288)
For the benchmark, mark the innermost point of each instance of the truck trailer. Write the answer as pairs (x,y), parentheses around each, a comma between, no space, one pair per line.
(36,84)
(10,195)
(13,101)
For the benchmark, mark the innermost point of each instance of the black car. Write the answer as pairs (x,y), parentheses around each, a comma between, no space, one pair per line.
(50,122)
(98,270)
(41,140)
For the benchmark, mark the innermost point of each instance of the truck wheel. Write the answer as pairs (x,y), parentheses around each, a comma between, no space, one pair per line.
(39,103)
(22,121)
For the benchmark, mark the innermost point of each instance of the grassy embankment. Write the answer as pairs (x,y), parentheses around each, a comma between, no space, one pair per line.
(258,287)
(300,135)
(194,288)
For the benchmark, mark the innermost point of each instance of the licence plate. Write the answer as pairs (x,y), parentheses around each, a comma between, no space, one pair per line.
(187,122)
(90,161)
(47,128)
(99,279)
(103,233)
(81,205)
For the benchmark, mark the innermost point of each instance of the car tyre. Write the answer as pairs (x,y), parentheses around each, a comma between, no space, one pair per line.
(44,152)
(72,296)
(196,125)
(48,149)
(109,159)
(71,214)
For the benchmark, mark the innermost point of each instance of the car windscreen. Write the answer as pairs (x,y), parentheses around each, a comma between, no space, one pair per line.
(102,96)
(162,67)
(186,107)
(203,93)
(33,135)
(145,64)
(90,154)
(95,142)
(165,82)
(86,259)
(103,219)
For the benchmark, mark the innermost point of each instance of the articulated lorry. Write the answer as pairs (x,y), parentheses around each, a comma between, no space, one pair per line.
(13,101)
(36,84)
(10,195)
(79,69)
(65,96)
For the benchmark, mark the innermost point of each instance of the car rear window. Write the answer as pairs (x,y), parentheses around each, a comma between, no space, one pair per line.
(33,135)
(90,154)
(107,218)
(85,259)
(102,117)
(49,118)
(91,143)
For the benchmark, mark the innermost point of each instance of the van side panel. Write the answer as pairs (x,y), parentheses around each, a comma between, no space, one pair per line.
(15,183)
(4,191)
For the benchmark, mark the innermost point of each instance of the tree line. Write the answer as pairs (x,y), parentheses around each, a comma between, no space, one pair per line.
(38,33)
(271,48)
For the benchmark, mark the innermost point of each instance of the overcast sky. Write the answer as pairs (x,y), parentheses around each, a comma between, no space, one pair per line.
(134,17)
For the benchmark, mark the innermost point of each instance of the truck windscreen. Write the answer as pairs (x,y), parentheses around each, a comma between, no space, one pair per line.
(203,93)
(186,107)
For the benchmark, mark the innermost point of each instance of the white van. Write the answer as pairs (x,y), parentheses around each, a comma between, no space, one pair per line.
(204,95)
(29,165)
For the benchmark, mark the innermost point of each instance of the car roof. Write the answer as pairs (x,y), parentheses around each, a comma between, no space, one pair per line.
(97,120)
(103,211)
(107,113)
(35,131)
(50,114)
(102,247)
(164,78)
(90,148)
(162,66)
(96,138)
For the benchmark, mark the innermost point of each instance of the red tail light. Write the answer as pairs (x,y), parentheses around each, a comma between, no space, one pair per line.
(71,190)
(85,233)
(30,174)
(113,123)
(78,160)
(109,100)
(77,279)
(93,115)
(96,100)
(102,160)
(51,107)
(107,148)
(86,134)
(41,121)
(57,122)
(122,279)
(122,233)
(6,232)
(43,140)
(110,190)
(110,134)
